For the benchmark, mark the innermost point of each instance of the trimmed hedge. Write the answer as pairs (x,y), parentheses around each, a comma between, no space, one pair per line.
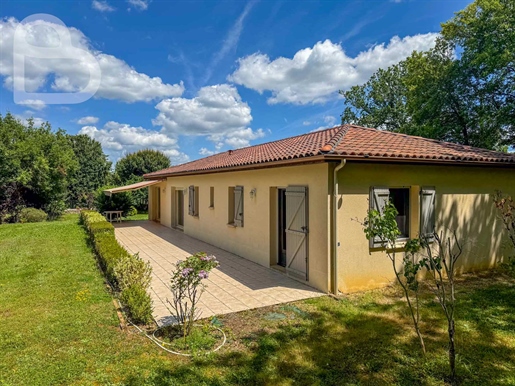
(126,272)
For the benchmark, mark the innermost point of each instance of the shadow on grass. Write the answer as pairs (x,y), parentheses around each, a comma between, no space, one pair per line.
(344,342)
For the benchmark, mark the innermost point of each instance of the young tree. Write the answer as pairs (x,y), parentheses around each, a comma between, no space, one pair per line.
(383,225)
(440,262)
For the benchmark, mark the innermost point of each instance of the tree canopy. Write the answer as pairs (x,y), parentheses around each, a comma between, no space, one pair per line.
(46,169)
(133,166)
(36,167)
(139,163)
(92,173)
(462,90)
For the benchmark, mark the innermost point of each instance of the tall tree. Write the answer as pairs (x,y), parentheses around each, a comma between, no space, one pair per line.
(484,33)
(132,167)
(92,172)
(139,163)
(380,102)
(462,91)
(40,162)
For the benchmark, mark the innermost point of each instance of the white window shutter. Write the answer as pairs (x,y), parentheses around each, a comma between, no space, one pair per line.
(427,212)
(238,206)
(191,200)
(379,197)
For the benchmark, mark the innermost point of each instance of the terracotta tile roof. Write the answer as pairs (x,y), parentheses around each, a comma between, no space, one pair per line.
(347,141)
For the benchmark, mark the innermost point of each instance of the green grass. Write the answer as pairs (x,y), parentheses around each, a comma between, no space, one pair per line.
(137,217)
(58,326)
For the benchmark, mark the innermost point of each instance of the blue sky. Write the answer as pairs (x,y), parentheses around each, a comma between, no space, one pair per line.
(196,77)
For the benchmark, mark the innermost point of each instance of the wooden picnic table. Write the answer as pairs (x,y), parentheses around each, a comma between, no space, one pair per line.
(117,215)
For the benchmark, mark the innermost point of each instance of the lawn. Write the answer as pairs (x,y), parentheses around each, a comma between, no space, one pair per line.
(59,326)
(136,217)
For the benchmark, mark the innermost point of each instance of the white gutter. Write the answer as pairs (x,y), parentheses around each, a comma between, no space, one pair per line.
(334,226)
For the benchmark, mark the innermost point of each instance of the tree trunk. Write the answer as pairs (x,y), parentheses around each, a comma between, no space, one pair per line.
(452,351)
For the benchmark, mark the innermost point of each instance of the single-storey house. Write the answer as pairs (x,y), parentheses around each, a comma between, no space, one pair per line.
(293,204)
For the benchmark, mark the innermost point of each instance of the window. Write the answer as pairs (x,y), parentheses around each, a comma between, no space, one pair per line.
(379,197)
(427,212)
(236,206)
(193,200)
(212,197)
(400,197)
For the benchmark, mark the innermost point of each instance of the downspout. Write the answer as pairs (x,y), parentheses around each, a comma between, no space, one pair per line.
(334,226)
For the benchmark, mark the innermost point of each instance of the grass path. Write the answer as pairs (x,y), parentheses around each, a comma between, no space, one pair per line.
(58,326)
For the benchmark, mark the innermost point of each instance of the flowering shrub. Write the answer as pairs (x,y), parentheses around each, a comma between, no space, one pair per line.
(187,286)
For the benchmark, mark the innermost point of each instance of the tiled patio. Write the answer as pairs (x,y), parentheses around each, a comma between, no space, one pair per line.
(237,285)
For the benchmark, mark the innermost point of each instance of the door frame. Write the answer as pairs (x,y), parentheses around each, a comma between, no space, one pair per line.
(176,208)
(275,231)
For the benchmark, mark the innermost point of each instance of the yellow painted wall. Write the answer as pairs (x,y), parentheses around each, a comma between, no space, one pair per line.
(463,202)
(253,241)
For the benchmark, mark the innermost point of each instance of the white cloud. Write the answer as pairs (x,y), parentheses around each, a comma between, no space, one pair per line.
(206,152)
(140,5)
(24,119)
(315,75)
(217,112)
(119,80)
(102,6)
(34,104)
(118,139)
(242,137)
(306,123)
(329,121)
(87,120)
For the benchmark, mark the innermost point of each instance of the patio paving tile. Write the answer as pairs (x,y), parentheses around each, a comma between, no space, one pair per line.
(237,285)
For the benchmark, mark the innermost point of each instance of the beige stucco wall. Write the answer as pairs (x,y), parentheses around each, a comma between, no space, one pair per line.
(464,203)
(255,241)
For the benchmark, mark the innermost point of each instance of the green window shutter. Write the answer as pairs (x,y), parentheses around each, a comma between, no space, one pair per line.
(238,206)
(191,200)
(427,212)
(379,197)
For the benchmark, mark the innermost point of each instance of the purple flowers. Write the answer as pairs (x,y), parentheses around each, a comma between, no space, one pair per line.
(186,271)
(208,258)
(203,274)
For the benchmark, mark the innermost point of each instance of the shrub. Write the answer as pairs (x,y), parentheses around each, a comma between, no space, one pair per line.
(132,270)
(32,215)
(132,211)
(136,300)
(100,227)
(187,287)
(119,201)
(109,253)
(127,273)
(55,209)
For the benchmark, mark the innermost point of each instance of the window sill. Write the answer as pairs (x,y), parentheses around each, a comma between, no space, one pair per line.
(211,207)
(231,225)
